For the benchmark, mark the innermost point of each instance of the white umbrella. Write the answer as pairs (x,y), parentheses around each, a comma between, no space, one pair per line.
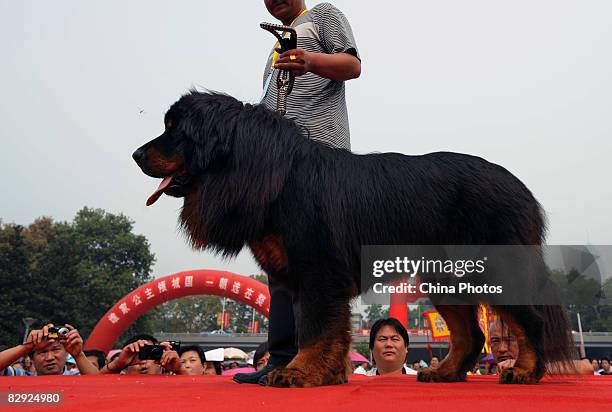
(234,353)
(215,355)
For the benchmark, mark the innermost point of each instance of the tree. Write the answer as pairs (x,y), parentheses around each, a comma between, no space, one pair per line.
(375,312)
(14,273)
(189,314)
(70,272)
(582,295)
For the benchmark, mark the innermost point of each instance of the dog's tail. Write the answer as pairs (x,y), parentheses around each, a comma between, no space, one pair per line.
(559,350)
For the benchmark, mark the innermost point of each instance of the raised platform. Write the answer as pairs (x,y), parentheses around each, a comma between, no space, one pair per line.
(394,393)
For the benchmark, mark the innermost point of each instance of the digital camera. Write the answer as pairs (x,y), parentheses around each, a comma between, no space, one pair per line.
(155,352)
(58,332)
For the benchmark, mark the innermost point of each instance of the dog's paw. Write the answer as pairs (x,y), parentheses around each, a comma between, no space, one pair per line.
(289,378)
(435,375)
(517,375)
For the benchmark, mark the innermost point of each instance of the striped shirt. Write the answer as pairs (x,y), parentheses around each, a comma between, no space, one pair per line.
(315,102)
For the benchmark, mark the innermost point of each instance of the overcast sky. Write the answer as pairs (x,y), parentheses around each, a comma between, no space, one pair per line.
(525,84)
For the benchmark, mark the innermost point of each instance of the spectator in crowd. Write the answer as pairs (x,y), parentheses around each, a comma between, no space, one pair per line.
(48,356)
(606,369)
(596,367)
(28,365)
(475,370)
(213,368)
(416,366)
(18,364)
(261,356)
(389,346)
(128,361)
(96,357)
(70,363)
(214,361)
(193,360)
(505,351)
(434,362)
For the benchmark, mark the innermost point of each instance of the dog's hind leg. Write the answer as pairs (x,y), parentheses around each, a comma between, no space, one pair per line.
(526,325)
(323,326)
(466,341)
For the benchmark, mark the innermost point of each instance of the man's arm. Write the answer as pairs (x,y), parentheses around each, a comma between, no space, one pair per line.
(74,346)
(579,367)
(170,359)
(9,356)
(126,357)
(337,66)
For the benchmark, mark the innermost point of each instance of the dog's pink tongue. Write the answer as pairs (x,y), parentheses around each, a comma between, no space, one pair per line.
(158,192)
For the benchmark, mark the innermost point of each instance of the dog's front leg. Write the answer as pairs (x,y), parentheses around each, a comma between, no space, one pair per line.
(324,339)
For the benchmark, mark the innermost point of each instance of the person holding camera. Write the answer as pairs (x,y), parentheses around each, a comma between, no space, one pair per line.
(49,348)
(142,354)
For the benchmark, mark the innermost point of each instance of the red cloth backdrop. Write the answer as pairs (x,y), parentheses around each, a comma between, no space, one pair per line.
(383,393)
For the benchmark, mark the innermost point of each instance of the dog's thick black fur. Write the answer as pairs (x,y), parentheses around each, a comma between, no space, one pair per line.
(250,178)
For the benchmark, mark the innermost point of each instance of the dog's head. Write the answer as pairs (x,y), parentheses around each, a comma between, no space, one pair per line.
(196,139)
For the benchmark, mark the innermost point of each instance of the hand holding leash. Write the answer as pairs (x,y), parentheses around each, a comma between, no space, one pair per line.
(287,41)
(297,61)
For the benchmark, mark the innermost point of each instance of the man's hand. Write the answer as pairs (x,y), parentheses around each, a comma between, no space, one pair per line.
(508,363)
(127,357)
(336,66)
(73,342)
(38,337)
(298,61)
(170,359)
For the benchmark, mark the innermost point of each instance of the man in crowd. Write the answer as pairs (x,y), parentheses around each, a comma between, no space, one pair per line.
(48,355)
(129,362)
(389,344)
(326,56)
(96,357)
(505,350)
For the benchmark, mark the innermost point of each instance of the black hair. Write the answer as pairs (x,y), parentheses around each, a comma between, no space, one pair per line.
(395,324)
(605,358)
(99,355)
(142,336)
(194,348)
(218,367)
(259,353)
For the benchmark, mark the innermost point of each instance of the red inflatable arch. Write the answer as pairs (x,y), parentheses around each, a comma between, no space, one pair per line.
(195,282)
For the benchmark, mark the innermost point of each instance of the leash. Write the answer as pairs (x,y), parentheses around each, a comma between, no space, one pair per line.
(284,81)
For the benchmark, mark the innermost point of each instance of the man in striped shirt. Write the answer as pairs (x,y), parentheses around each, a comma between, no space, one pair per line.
(326,56)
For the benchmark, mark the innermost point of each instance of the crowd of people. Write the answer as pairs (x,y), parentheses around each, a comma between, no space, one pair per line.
(389,343)
(46,354)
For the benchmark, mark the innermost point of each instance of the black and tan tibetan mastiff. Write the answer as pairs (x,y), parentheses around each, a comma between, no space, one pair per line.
(250,177)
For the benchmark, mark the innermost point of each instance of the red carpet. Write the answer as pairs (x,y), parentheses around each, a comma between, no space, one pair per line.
(393,393)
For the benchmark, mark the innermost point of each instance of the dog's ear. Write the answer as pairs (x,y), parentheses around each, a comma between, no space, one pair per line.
(208,133)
